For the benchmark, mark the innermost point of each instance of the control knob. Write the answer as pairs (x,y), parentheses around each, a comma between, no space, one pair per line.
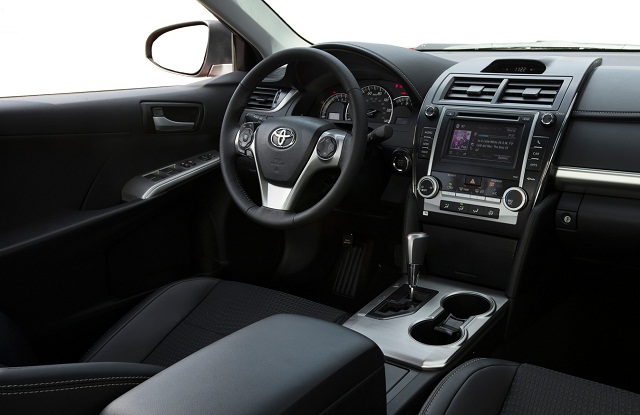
(548,119)
(514,199)
(428,187)
(431,111)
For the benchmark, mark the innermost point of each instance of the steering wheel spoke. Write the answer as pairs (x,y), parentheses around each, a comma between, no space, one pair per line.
(326,154)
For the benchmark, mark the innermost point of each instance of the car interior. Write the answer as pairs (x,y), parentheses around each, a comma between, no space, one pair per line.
(343,227)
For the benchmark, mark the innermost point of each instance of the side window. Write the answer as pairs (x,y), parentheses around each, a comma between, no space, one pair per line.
(52,47)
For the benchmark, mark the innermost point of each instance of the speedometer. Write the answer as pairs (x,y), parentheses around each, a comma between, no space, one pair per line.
(378,103)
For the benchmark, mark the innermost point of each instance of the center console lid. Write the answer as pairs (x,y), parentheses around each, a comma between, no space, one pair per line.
(284,364)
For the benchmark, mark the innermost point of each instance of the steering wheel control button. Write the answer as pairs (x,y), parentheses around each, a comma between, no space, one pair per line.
(245,137)
(428,187)
(326,147)
(514,199)
(282,137)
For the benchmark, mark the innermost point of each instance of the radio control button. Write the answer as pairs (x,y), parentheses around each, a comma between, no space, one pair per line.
(548,119)
(431,111)
(534,164)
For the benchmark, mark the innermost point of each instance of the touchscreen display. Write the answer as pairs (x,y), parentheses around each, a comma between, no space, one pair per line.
(493,143)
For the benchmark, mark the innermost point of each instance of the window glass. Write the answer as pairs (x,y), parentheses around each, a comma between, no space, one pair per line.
(84,45)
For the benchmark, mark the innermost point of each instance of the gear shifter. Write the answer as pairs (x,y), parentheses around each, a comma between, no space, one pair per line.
(416,249)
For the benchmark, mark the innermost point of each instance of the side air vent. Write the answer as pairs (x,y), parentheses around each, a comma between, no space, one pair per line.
(264,98)
(531,91)
(473,89)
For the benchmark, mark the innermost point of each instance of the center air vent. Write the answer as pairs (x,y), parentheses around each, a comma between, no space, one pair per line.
(531,91)
(473,89)
(264,98)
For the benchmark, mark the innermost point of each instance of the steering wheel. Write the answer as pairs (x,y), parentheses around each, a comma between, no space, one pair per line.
(288,150)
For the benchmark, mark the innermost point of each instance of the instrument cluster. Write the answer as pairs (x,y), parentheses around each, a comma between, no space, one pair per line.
(386,102)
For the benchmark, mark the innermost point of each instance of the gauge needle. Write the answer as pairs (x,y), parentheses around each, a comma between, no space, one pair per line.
(372,113)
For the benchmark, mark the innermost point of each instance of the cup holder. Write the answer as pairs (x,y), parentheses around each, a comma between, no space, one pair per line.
(425,332)
(445,328)
(465,305)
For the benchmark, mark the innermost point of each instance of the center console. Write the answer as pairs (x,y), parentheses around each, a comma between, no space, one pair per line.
(484,143)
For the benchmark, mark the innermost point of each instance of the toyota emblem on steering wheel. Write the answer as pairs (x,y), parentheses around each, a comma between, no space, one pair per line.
(283,137)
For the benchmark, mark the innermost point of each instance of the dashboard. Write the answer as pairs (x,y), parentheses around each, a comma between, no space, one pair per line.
(489,144)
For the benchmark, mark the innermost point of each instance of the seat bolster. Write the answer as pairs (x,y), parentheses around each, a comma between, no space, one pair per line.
(70,389)
(144,327)
(479,386)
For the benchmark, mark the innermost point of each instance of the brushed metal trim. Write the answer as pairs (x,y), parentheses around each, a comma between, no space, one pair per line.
(141,188)
(605,182)
(393,335)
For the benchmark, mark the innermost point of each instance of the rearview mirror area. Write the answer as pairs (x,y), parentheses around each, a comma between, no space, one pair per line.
(201,48)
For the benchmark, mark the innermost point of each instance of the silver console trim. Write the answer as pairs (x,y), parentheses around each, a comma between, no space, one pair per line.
(605,182)
(140,187)
(393,337)
(433,204)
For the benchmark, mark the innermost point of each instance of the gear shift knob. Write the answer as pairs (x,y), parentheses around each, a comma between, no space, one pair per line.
(416,249)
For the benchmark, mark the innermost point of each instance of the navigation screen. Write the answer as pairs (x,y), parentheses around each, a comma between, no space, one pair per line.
(493,143)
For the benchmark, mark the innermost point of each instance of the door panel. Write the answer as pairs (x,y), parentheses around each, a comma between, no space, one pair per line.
(73,256)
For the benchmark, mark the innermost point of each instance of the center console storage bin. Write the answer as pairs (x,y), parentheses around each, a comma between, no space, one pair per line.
(284,364)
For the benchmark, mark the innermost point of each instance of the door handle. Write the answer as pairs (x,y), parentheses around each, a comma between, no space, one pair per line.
(165,124)
(162,123)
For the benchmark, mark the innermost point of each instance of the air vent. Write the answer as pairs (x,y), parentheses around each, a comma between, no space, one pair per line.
(531,91)
(473,89)
(264,98)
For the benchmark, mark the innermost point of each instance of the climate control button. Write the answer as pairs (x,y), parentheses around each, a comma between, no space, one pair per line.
(514,199)
(428,187)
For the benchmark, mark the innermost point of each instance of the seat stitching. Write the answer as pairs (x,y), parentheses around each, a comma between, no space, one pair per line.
(68,389)
(60,382)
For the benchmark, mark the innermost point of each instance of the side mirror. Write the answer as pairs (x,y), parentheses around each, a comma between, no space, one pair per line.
(200,48)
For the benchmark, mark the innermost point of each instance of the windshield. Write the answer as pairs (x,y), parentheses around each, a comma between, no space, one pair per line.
(411,23)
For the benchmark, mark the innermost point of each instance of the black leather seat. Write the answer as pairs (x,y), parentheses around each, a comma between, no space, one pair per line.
(490,386)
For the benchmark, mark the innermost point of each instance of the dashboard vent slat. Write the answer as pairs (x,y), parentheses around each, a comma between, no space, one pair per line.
(531,91)
(264,98)
(473,89)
